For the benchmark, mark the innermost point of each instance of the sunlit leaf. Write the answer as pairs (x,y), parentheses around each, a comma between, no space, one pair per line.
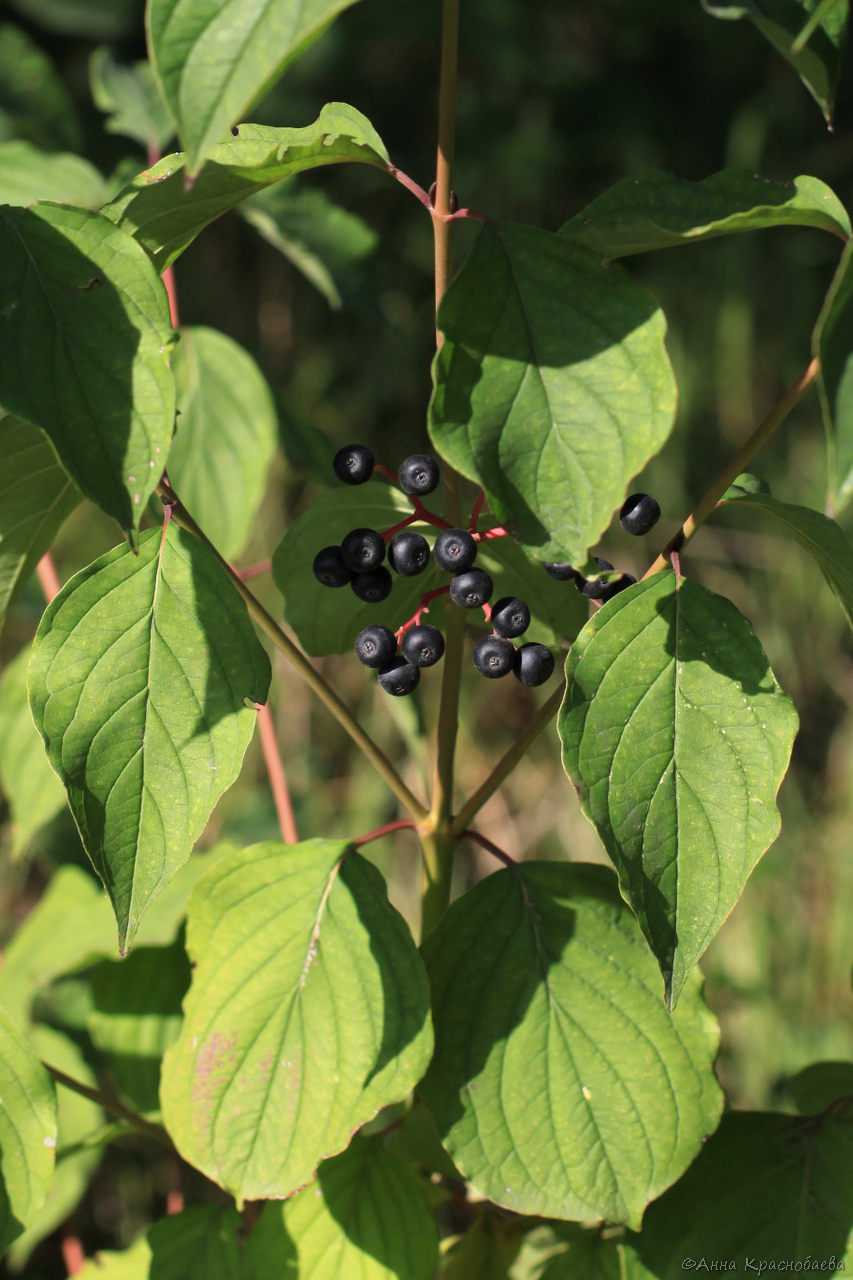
(28,174)
(130,98)
(202,1240)
(32,789)
(27,1133)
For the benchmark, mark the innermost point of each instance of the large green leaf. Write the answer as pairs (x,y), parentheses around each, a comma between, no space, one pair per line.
(365,1217)
(165,213)
(658,209)
(27,1133)
(767,1187)
(818,63)
(95,19)
(28,174)
(308,1011)
(34,102)
(676,737)
(226,435)
(32,789)
(36,495)
(84,350)
(214,58)
(130,98)
(143,673)
(200,1241)
(832,342)
(560,1084)
(553,386)
(567,1251)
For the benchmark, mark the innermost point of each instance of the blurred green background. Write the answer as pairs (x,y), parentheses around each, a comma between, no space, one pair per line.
(556,101)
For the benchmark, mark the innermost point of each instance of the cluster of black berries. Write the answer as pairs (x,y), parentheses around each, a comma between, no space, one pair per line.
(639,514)
(358,561)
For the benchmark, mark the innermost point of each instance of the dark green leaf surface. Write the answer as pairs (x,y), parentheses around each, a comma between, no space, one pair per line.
(84,350)
(765,1186)
(32,789)
(567,1251)
(818,64)
(676,737)
(94,19)
(143,674)
(130,98)
(27,1133)
(28,174)
(657,210)
(832,342)
(36,495)
(553,387)
(165,215)
(365,1218)
(201,1241)
(215,58)
(560,1084)
(485,1252)
(821,1084)
(226,436)
(34,102)
(308,1012)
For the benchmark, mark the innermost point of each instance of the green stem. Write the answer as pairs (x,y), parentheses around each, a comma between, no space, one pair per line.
(438,848)
(297,658)
(137,1122)
(739,463)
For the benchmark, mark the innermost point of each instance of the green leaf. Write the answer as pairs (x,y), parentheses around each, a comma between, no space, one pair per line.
(34,792)
(553,386)
(34,102)
(226,436)
(832,342)
(143,673)
(818,64)
(327,620)
(657,210)
(765,1186)
(27,1133)
(567,1251)
(326,243)
(308,1012)
(821,1084)
(80,289)
(36,496)
(821,537)
(202,1240)
(94,19)
(560,1085)
(28,174)
(676,737)
(77,1117)
(365,1216)
(165,213)
(485,1252)
(213,60)
(130,98)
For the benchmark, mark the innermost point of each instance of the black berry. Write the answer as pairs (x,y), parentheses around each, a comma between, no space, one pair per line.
(494,657)
(353,464)
(534,663)
(510,616)
(363,550)
(471,589)
(613,588)
(640,512)
(373,586)
(418,474)
(408,553)
(454,550)
(560,570)
(399,678)
(423,646)
(329,568)
(376,645)
(594,588)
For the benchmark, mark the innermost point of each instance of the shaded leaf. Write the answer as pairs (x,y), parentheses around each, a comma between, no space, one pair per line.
(657,210)
(764,1186)
(485,1252)
(27,1133)
(130,98)
(819,1085)
(28,174)
(34,792)
(143,673)
(560,1085)
(308,1012)
(832,342)
(79,288)
(214,60)
(202,1240)
(34,101)
(364,1217)
(567,1251)
(226,435)
(553,386)
(676,737)
(94,19)
(165,214)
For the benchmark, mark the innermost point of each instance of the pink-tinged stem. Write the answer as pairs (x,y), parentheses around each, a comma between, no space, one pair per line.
(402,824)
(385,471)
(72,1252)
(278,781)
(422,608)
(411,185)
(475,514)
(498,532)
(254,570)
(48,577)
(168,275)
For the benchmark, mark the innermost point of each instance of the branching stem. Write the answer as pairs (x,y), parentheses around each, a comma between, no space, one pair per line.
(136,1121)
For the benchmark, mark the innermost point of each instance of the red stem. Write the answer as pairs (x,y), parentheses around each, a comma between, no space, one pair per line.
(254,570)
(48,577)
(72,1251)
(278,781)
(402,824)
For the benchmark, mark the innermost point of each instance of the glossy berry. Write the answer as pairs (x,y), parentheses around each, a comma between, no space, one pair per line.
(353,464)
(418,474)
(454,550)
(471,589)
(363,550)
(422,646)
(399,678)
(640,512)
(408,553)
(560,570)
(613,588)
(376,646)
(510,616)
(373,586)
(534,663)
(494,657)
(594,588)
(329,568)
